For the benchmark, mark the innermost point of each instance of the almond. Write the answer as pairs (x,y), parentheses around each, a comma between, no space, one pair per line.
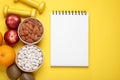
(30,27)
(29,40)
(26,24)
(26,37)
(35,29)
(35,38)
(41,30)
(21,32)
(38,33)
(32,36)
(30,31)
(26,32)
(20,28)
(23,37)
(23,27)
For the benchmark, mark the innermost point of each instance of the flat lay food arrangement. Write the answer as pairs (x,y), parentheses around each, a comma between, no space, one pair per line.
(59,40)
(29,31)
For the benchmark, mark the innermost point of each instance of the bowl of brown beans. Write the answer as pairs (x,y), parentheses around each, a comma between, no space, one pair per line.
(30,31)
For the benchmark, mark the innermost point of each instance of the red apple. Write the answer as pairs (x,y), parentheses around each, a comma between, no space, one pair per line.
(11,37)
(12,21)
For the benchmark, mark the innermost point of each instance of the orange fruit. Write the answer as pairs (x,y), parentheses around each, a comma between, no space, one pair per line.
(1,38)
(7,55)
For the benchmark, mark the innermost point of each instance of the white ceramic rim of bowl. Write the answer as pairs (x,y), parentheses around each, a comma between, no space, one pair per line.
(28,42)
(31,70)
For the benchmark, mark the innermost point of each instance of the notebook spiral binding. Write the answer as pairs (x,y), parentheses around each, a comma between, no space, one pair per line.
(69,12)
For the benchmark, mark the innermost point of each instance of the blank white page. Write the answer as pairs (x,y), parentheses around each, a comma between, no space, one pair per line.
(69,40)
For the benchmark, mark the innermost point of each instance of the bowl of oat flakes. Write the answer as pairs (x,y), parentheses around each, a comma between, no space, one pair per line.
(29,58)
(30,31)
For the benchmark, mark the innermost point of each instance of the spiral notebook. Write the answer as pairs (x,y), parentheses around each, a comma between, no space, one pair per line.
(69,38)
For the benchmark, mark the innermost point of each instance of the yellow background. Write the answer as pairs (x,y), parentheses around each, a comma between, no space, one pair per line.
(104,40)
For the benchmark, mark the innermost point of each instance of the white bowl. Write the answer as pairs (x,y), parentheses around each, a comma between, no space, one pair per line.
(27,59)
